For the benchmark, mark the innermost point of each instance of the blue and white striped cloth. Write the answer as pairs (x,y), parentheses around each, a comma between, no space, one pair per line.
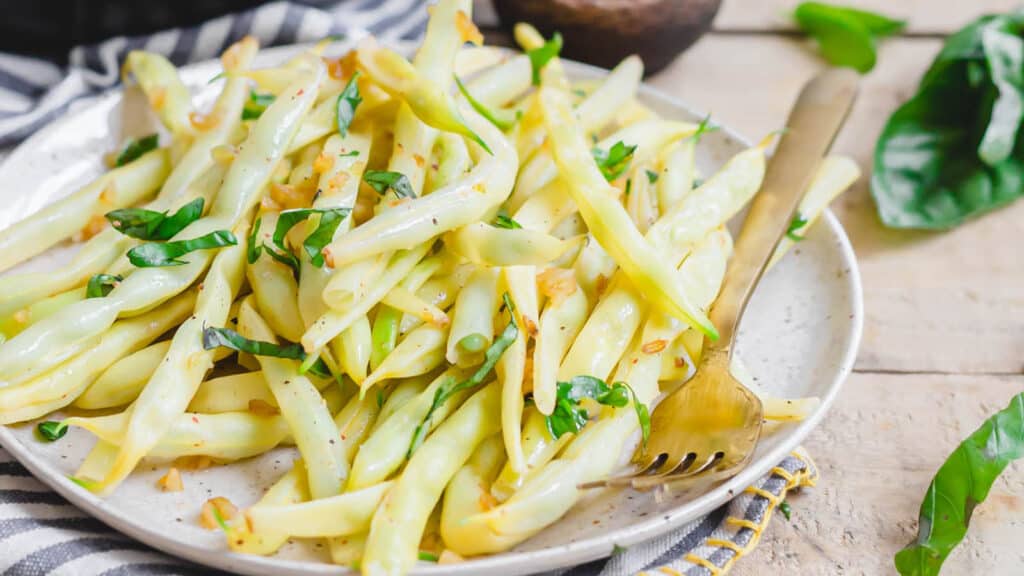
(42,535)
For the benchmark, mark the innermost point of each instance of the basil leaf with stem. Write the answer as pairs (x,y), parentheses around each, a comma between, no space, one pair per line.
(152,225)
(228,338)
(614,161)
(449,388)
(962,482)
(348,101)
(51,430)
(136,148)
(539,57)
(570,417)
(382,180)
(154,255)
(504,120)
(101,284)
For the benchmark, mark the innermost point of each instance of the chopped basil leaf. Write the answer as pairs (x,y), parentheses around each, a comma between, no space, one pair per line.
(348,101)
(285,257)
(614,161)
(154,255)
(449,388)
(51,431)
(254,247)
(256,104)
(217,77)
(84,483)
(570,417)
(427,556)
(228,338)
(703,128)
(381,180)
(786,510)
(100,285)
(323,234)
(220,519)
(314,244)
(652,176)
(136,148)
(539,57)
(503,119)
(794,228)
(151,225)
(380,398)
(349,154)
(629,187)
(503,220)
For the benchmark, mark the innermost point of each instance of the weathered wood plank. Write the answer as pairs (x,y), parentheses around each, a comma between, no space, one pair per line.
(877,451)
(945,302)
(923,16)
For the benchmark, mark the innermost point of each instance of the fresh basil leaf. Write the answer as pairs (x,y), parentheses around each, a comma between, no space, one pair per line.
(100,285)
(153,255)
(505,221)
(643,416)
(503,119)
(795,226)
(614,161)
(256,104)
(940,158)
(285,257)
(963,482)
(330,219)
(348,101)
(652,176)
(841,38)
(703,128)
(228,338)
(151,225)
(539,57)
(382,180)
(427,556)
(324,234)
(136,148)
(570,417)
(254,247)
(878,25)
(51,431)
(450,387)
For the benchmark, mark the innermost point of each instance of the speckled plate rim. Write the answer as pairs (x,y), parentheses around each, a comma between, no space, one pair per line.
(512,563)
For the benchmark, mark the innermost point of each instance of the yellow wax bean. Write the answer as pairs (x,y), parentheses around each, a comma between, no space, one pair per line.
(61,386)
(491,246)
(398,524)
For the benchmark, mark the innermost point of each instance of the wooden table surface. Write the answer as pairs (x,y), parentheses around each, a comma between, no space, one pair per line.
(943,343)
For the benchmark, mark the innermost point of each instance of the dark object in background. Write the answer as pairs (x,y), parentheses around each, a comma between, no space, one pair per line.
(50,28)
(603,32)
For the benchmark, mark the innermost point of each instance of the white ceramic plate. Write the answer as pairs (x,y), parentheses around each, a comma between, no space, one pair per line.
(799,339)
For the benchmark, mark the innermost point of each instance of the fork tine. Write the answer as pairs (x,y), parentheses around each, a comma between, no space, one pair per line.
(689,468)
(625,479)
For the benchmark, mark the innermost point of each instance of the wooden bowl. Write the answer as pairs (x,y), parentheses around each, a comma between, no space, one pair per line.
(603,32)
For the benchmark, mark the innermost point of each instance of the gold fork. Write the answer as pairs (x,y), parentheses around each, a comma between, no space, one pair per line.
(712,423)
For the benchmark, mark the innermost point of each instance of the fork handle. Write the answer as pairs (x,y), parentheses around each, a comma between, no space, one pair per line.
(810,129)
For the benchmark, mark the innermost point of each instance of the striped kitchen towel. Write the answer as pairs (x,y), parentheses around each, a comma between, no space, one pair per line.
(42,535)
(33,91)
